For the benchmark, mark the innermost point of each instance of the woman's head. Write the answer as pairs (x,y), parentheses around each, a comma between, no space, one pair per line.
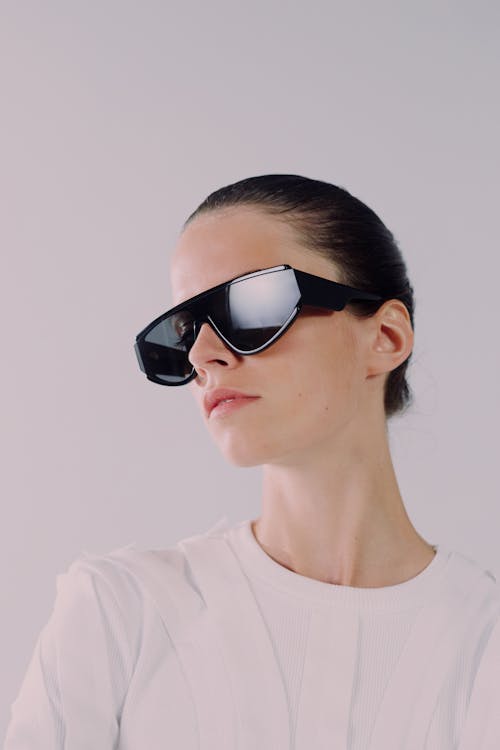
(329,368)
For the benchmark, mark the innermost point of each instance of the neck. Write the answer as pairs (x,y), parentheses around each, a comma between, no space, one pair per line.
(339,517)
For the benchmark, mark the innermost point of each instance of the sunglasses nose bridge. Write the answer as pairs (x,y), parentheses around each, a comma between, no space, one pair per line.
(198,324)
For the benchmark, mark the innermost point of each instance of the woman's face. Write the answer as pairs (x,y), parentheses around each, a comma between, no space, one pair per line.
(310,381)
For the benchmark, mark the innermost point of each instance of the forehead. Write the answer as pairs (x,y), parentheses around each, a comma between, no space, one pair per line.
(226,243)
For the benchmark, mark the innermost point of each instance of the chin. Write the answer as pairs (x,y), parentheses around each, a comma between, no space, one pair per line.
(243,450)
(243,458)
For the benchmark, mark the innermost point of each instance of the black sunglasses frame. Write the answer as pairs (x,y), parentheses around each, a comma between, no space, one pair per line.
(314,290)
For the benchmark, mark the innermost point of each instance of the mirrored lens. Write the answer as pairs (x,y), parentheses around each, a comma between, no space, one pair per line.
(254,310)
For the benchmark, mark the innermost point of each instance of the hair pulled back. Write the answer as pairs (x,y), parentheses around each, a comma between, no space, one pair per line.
(331,222)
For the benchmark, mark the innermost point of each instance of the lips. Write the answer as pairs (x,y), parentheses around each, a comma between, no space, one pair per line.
(215,396)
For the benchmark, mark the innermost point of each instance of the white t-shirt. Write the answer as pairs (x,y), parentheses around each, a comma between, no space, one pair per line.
(211,644)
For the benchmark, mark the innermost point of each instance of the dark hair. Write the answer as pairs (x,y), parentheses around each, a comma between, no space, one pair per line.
(338,226)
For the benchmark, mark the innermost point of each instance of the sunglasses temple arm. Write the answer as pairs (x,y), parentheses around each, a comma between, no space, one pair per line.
(366,296)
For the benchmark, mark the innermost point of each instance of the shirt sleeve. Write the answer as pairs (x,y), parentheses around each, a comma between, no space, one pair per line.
(73,691)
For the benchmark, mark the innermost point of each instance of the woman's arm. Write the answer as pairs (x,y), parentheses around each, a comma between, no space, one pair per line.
(76,682)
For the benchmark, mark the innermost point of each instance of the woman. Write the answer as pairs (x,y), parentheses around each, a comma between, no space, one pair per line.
(328,621)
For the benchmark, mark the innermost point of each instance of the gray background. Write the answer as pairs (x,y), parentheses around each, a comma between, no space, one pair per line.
(117,119)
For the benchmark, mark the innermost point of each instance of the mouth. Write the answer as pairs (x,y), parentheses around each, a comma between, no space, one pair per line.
(229,406)
(215,396)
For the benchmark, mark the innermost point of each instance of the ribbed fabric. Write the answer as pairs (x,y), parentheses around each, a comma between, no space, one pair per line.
(382,619)
(106,673)
(259,565)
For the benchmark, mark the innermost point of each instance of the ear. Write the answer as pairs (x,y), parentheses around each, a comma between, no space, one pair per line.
(390,338)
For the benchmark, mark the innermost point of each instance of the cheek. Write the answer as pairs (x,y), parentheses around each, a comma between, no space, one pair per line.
(319,365)
(318,394)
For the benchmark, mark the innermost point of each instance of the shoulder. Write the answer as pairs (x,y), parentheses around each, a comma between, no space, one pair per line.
(98,575)
(117,580)
(470,595)
(472,588)
(98,600)
(127,582)
(117,569)
(129,579)
(462,568)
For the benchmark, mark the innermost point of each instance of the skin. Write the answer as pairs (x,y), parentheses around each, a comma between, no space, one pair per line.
(331,507)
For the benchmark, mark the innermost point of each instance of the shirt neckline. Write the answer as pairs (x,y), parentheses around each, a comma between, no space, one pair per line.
(258,565)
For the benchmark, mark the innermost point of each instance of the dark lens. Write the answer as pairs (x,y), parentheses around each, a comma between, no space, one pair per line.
(254,310)
(164,350)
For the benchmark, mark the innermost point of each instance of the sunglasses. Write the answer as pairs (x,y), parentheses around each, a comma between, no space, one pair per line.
(249,313)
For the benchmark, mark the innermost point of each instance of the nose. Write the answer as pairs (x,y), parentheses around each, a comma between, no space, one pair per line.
(210,351)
